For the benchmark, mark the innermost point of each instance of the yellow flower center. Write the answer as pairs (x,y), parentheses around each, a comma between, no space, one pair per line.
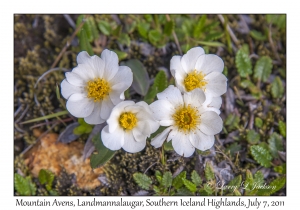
(98,89)
(127,120)
(194,80)
(186,118)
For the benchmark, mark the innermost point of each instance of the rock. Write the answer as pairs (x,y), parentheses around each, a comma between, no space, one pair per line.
(54,156)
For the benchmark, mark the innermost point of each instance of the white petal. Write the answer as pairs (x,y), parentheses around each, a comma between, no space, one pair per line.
(141,131)
(182,145)
(79,106)
(75,79)
(172,94)
(116,94)
(85,71)
(147,115)
(67,89)
(179,81)
(83,58)
(98,66)
(106,108)
(113,120)
(189,59)
(113,141)
(162,109)
(95,118)
(134,108)
(131,145)
(216,102)
(123,77)
(209,63)
(111,64)
(211,123)
(195,97)
(159,139)
(166,122)
(176,67)
(202,141)
(216,84)
(145,106)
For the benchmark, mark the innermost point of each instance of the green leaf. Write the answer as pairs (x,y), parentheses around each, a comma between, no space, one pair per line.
(277,89)
(189,185)
(255,91)
(249,181)
(275,144)
(169,27)
(232,121)
(261,155)
(208,189)
(142,180)
(143,29)
(196,179)
(258,122)
(236,183)
(46,177)
(117,31)
(22,185)
(156,189)
(91,29)
(199,27)
(203,153)
(177,181)
(211,44)
(160,84)
(213,36)
(140,76)
(252,137)
(263,68)
(184,192)
(32,185)
(209,171)
(277,184)
(104,27)
(168,146)
(130,28)
(234,148)
(243,63)
(124,39)
(259,178)
(84,43)
(103,154)
(57,92)
(167,179)
(121,55)
(274,186)
(148,17)
(154,36)
(280,169)
(278,20)
(282,128)
(57,114)
(158,176)
(257,35)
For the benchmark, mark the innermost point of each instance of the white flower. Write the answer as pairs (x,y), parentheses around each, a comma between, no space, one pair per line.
(128,127)
(195,69)
(95,86)
(191,125)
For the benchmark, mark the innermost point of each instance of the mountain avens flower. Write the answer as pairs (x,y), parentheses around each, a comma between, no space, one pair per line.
(95,86)
(128,127)
(195,69)
(191,123)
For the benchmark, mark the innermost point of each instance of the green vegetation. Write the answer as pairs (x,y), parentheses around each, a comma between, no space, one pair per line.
(251,147)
